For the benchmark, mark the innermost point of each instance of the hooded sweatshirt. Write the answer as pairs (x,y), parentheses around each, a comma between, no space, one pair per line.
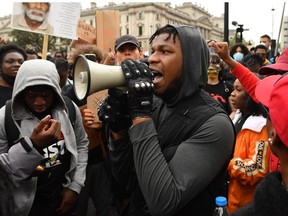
(42,72)
(196,59)
(168,186)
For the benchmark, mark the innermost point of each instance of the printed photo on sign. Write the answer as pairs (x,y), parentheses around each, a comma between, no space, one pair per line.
(58,19)
(32,16)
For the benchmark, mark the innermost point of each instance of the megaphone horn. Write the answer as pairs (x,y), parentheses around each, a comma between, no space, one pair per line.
(90,77)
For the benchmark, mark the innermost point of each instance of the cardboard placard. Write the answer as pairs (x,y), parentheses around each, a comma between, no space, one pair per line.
(86,32)
(94,134)
(94,100)
(107,26)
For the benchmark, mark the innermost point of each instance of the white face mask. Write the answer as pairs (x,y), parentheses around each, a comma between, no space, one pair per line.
(238,56)
(35,15)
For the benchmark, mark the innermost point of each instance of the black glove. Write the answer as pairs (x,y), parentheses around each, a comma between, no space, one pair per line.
(140,88)
(114,111)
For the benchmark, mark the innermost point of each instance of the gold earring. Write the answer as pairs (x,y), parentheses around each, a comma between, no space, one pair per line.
(270,141)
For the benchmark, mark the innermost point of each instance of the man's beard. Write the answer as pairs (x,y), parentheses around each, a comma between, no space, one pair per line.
(40,17)
(170,91)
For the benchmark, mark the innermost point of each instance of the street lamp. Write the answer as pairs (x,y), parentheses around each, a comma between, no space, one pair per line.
(272,22)
(239,32)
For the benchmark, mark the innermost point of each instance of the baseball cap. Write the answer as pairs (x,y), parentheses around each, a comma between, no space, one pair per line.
(124,40)
(279,67)
(272,93)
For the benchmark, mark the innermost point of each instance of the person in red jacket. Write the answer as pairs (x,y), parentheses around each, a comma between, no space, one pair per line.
(271,195)
(250,80)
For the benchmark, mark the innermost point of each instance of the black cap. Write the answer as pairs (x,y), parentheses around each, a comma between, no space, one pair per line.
(124,40)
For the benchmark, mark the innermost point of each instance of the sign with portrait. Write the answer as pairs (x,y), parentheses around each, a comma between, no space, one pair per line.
(58,19)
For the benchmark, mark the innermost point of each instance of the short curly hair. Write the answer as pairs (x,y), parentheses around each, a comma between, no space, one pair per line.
(8,48)
(243,47)
(88,49)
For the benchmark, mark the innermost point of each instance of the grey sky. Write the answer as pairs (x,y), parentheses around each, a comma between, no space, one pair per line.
(255,15)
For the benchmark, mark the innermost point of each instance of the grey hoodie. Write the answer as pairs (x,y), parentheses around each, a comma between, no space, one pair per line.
(31,73)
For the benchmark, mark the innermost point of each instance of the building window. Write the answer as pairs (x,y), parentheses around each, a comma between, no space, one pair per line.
(127,30)
(127,18)
(140,15)
(140,30)
(158,26)
(157,16)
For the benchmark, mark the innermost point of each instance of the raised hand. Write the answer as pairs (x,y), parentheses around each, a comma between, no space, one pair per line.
(46,132)
(222,49)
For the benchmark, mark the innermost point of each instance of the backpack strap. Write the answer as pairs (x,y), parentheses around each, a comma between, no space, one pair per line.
(12,132)
(11,129)
(71,110)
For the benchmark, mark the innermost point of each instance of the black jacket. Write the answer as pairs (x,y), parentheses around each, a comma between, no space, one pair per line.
(270,198)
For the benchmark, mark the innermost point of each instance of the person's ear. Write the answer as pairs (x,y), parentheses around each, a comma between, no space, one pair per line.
(274,140)
(273,136)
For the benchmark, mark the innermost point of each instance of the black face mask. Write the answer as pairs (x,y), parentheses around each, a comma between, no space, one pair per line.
(8,79)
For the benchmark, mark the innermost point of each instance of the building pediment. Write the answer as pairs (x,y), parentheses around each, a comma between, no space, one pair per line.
(204,20)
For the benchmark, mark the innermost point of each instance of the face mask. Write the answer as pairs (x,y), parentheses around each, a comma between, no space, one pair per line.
(212,76)
(238,56)
(212,73)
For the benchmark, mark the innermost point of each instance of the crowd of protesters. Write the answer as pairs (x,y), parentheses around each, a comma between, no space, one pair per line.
(198,119)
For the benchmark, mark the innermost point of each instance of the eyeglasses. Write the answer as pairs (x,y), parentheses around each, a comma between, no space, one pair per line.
(261,54)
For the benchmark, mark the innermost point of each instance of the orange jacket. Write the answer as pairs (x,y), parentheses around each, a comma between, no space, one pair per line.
(249,164)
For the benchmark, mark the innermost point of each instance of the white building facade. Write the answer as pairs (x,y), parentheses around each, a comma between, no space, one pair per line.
(143,19)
